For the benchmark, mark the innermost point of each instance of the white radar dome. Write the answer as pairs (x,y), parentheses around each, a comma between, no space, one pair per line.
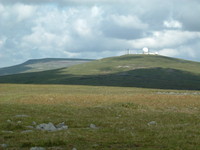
(145,50)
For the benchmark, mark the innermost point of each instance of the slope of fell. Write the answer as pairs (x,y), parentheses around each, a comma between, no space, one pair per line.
(133,62)
(146,71)
(36,65)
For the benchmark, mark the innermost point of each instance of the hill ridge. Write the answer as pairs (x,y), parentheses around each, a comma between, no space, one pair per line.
(145,71)
(54,59)
(35,65)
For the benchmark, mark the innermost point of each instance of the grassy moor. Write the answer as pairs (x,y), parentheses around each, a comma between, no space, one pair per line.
(131,102)
(125,118)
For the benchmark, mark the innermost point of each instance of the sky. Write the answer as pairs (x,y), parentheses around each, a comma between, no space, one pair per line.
(32,29)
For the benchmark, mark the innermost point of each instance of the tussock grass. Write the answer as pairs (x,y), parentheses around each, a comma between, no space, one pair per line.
(120,114)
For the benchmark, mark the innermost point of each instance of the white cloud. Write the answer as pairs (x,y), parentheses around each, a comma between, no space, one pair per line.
(70,54)
(169,52)
(129,21)
(1,8)
(45,40)
(69,2)
(183,52)
(2,41)
(172,24)
(82,28)
(24,11)
(165,38)
(96,28)
(17,12)
(190,52)
(96,11)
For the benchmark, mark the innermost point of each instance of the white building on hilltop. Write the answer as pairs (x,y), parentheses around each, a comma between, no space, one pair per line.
(147,52)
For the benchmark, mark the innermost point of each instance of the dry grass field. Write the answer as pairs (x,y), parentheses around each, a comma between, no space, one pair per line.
(125,118)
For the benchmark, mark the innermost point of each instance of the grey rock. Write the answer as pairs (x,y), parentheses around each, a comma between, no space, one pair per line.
(60,125)
(63,128)
(46,127)
(74,148)
(4,145)
(178,93)
(30,127)
(19,122)
(50,127)
(9,121)
(34,123)
(95,145)
(7,131)
(37,148)
(93,126)
(21,116)
(152,123)
(27,131)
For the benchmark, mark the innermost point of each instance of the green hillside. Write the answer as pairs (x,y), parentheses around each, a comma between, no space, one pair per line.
(36,65)
(147,71)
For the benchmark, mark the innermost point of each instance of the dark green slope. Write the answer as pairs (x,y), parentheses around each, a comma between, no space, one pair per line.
(146,71)
(36,65)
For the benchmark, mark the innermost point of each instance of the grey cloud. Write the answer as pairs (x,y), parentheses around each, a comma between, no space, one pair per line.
(122,33)
(123,27)
(87,28)
(186,51)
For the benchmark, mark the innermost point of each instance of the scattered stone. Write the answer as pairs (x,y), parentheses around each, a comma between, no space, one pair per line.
(74,148)
(95,145)
(177,93)
(50,127)
(7,131)
(27,131)
(4,145)
(19,122)
(30,127)
(93,126)
(37,148)
(60,125)
(63,128)
(46,127)
(9,121)
(123,129)
(152,123)
(34,123)
(182,125)
(21,116)
(55,148)
(123,66)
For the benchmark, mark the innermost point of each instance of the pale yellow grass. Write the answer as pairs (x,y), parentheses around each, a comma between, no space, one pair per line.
(181,103)
(86,96)
(122,115)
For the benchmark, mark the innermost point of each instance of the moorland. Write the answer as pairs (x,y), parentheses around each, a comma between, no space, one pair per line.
(132,102)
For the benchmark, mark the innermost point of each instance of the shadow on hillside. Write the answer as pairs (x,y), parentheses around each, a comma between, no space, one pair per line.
(13,69)
(159,78)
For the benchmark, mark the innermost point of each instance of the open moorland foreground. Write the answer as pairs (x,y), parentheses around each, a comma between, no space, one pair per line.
(98,118)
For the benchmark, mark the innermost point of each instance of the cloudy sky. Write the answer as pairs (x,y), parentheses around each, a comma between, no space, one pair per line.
(32,29)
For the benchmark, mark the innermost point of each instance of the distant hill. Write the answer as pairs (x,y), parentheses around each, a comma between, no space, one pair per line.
(36,65)
(146,71)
